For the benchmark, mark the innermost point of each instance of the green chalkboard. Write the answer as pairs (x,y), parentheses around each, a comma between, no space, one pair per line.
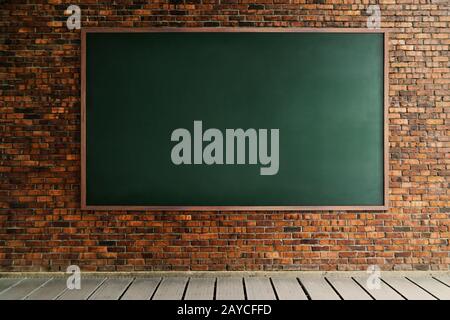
(323,91)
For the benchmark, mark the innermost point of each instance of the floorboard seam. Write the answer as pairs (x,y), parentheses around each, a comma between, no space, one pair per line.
(305,291)
(335,290)
(185,289)
(126,289)
(362,287)
(245,289)
(156,289)
(422,288)
(441,281)
(215,290)
(394,289)
(96,289)
(60,294)
(36,289)
(12,286)
(274,290)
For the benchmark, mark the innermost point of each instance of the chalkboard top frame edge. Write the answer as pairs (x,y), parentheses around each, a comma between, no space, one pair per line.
(384,31)
(231,29)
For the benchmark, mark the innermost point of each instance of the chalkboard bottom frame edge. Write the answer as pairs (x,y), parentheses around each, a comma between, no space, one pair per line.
(384,207)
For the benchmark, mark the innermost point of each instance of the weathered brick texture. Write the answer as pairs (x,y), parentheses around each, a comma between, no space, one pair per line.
(42,227)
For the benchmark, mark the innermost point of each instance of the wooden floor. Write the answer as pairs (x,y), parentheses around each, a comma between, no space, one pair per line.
(305,287)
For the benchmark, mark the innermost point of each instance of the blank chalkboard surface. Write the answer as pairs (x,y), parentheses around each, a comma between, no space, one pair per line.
(321,94)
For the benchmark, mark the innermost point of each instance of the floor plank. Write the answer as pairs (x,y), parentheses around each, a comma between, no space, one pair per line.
(111,289)
(393,287)
(259,288)
(318,288)
(348,289)
(49,291)
(141,289)
(200,289)
(436,288)
(23,289)
(288,289)
(384,292)
(230,288)
(88,286)
(6,283)
(407,289)
(171,289)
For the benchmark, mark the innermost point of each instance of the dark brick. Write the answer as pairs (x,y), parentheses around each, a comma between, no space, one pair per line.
(292,229)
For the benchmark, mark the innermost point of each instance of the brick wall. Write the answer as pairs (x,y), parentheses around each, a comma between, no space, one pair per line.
(42,227)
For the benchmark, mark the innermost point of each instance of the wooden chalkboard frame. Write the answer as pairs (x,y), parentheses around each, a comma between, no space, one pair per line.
(385,206)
